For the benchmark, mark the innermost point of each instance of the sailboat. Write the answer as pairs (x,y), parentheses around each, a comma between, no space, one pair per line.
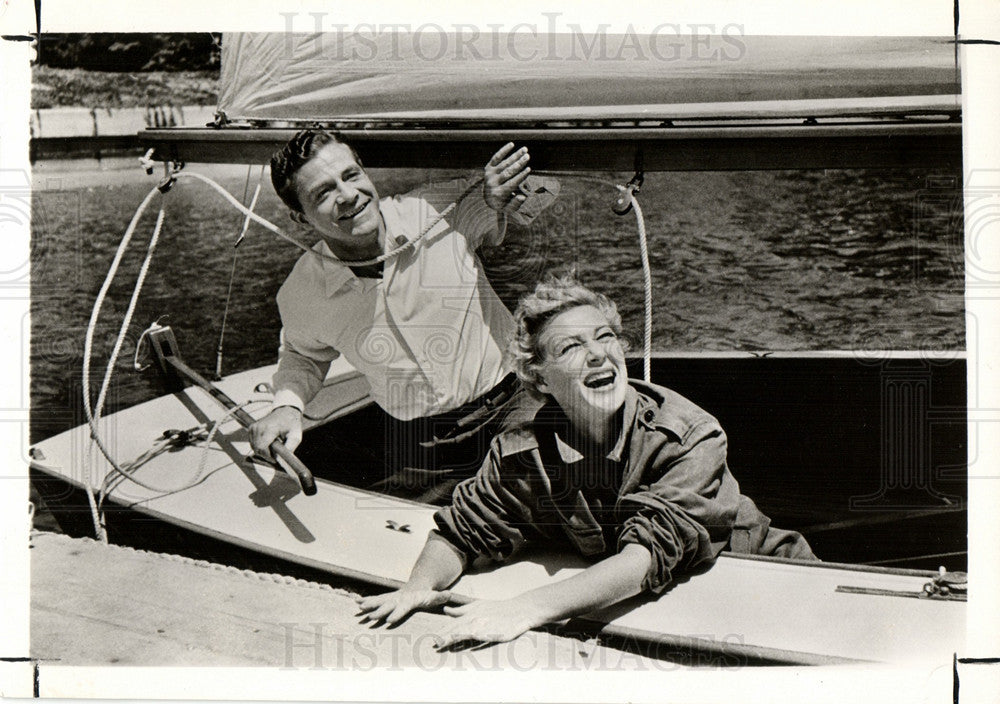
(842,434)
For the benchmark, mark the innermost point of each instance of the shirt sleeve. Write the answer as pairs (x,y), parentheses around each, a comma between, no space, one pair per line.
(302,366)
(685,515)
(480,224)
(485,519)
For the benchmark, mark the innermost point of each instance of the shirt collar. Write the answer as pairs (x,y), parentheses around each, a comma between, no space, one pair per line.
(335,274)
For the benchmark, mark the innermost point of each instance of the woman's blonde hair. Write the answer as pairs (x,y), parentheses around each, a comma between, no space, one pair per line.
(550,298)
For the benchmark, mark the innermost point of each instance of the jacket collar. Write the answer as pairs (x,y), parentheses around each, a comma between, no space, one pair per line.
(631,410)
(552,417)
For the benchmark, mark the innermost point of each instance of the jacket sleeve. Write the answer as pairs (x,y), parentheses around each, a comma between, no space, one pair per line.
(485,519)
(302,366)
(753,534)
(685,513)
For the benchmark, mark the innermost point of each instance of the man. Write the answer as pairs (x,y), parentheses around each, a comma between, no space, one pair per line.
(424,326)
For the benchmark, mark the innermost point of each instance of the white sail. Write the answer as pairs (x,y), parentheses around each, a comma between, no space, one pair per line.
(438,76)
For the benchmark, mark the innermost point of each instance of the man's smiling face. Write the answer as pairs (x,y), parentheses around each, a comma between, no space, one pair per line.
(340,201)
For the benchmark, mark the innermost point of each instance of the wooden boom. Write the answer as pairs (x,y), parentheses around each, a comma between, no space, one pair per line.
(718,147)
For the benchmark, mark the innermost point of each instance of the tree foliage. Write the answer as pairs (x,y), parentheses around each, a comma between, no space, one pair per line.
(131,52)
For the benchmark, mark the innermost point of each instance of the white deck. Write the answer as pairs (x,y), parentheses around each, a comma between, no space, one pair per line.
(789,611)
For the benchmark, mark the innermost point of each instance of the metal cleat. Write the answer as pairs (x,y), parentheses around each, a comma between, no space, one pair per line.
(146,161)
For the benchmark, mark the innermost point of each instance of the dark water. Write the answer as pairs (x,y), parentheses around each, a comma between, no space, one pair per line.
(741,261)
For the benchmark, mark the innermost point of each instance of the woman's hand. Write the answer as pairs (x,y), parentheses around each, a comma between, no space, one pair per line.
(503,175)
(604,583)
(393,607)
(487,622)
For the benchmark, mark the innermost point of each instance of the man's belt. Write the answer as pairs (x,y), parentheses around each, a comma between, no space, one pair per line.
(478,412)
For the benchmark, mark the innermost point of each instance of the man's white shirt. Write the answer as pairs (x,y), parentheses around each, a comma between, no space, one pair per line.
(429,335)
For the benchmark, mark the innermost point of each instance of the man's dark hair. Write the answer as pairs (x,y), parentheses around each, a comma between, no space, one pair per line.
(293,156)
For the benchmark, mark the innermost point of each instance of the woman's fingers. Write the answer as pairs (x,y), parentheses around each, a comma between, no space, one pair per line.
(368,603)
(460,610)
(393,607)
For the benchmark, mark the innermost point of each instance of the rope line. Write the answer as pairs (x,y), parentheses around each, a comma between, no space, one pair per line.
(640,222)
(232,271)
(647,277)
(92,503)
(269,577)
(161,444)
(267,224)
(87,351)
(647,290)
(122,474)
(94,414)
(211,436)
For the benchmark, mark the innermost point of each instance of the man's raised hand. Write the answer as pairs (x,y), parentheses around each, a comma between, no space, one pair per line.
(503,175)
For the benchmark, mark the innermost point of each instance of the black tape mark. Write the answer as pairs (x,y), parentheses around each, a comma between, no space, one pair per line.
(954,658)
(979,661)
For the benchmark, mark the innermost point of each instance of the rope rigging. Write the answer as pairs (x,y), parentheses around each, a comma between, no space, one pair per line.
(94,413)
(232,271)
(628,192)
(625,191)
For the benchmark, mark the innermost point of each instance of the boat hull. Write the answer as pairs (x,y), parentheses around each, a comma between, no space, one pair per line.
(774,610)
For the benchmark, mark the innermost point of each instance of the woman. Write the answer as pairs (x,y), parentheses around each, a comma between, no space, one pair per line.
(632,475)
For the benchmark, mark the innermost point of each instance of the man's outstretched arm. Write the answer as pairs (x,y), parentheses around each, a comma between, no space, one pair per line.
(300,374)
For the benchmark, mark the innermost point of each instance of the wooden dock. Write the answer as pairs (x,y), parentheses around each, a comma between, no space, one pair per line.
(95,604)
(109,621)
